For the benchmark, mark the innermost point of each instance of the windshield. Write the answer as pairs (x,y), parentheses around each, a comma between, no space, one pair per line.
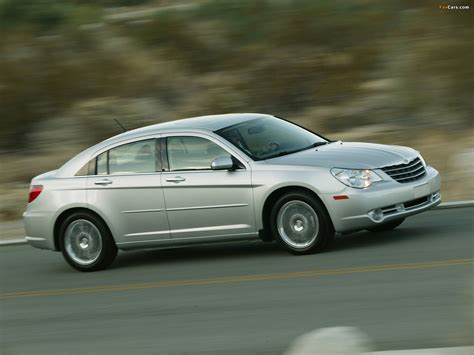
(269,137)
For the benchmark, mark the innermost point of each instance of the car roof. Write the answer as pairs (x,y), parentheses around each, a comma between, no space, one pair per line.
(209,123)
(201,123)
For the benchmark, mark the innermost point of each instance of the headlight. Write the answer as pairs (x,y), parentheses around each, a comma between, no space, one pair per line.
(360,179)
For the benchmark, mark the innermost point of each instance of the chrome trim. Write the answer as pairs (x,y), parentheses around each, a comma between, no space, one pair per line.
(404,173)
(213,228)
(188,230)
(431,201)
(175,179)
(399,210)
(397,167)
(168,186)
(420,167)
(207,207)
(144,211)
(147,233)
(103,182)
(411,177)
(426,201)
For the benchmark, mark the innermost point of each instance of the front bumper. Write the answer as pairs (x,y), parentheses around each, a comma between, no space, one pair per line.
(383,202)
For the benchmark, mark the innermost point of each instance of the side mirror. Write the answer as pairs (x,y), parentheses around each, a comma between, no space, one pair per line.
(222,163)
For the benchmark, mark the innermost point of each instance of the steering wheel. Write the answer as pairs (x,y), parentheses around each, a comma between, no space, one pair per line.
(273,146)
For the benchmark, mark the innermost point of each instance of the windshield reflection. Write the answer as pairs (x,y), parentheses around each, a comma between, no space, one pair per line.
(270,137)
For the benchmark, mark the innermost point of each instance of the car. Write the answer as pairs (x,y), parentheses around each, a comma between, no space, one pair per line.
(222,178)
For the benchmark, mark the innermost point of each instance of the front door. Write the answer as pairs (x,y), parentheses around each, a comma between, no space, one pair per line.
(201,202)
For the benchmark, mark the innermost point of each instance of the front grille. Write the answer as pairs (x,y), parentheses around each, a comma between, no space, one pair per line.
(404,173)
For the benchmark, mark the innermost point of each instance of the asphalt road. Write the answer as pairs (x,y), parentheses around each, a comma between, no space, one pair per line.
(409,288)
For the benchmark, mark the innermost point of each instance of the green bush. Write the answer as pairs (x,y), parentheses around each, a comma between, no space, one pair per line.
(41,14)
(47,15)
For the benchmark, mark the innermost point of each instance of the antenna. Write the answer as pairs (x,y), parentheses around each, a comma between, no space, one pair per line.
(121,126)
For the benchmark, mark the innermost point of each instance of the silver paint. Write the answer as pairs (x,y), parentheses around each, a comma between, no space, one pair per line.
(179,208)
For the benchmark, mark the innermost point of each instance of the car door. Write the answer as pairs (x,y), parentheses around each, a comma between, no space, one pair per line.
(126,189)
(201,202)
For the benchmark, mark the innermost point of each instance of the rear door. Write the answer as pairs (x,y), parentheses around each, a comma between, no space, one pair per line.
(126,190)
(201,202)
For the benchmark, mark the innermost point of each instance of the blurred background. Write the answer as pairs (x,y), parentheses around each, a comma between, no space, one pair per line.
(395,72)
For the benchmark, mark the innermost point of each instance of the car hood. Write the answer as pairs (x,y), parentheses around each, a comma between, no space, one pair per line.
(351,155)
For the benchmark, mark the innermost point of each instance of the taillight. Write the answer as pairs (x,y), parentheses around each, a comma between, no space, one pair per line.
(35,190)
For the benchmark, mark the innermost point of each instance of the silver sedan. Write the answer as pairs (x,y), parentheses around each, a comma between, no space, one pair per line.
(222,178)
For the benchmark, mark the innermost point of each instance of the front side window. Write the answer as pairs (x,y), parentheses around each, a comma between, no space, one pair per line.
(268,137)
(136,157)
(192,153)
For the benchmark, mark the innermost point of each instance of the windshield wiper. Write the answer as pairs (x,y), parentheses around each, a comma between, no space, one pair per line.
(286,152)
(317,144)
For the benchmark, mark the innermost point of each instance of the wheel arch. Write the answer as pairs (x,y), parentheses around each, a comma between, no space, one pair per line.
(65,214)
(265,233)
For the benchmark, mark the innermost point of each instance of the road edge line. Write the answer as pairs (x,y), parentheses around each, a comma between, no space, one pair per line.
(455,204)
(13,242)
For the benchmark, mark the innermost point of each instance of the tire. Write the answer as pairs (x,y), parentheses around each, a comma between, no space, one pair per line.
(86,243)
(301,224)
(388,226)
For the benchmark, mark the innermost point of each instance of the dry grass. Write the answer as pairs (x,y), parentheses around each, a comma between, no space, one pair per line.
(343,67)
(452,154)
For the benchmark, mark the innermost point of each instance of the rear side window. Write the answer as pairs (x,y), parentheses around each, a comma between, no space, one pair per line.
(192,153)
(102,164)
(136,157)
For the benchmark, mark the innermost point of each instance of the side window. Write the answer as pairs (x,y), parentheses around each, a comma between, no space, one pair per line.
(87,169)
(192,153)
(101,168)
(136,157)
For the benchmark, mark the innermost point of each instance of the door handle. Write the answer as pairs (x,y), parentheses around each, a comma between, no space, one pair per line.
(103,182)
(175,179)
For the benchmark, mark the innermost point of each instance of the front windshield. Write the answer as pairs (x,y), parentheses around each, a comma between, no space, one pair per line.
(269,137)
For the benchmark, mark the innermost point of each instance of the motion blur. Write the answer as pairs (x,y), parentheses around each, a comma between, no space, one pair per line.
(389,72)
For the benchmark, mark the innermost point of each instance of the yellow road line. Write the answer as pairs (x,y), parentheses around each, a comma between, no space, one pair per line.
(237,279)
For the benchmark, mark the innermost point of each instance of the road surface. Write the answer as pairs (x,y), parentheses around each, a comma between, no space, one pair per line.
(409,288)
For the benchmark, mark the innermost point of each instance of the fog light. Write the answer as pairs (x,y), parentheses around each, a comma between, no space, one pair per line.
(435,196)
(376,215)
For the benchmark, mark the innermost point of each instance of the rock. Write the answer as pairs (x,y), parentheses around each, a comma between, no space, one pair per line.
(337,340)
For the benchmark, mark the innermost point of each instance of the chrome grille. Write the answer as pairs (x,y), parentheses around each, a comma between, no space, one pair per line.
(404,173)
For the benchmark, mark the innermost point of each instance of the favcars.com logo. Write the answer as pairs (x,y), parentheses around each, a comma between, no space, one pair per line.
(454,7)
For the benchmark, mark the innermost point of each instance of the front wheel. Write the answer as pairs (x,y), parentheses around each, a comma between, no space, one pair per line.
(300,223)
(86,242)
(387,226)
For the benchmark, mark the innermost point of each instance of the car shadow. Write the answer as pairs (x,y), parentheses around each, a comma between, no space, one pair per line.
(193,254)
(257,249)
(364,239)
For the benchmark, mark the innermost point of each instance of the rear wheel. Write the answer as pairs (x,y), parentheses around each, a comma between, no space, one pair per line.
(86,242)
(388,226)
(300,223)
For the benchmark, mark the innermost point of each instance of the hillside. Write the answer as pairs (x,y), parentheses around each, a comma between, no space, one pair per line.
(397,72)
